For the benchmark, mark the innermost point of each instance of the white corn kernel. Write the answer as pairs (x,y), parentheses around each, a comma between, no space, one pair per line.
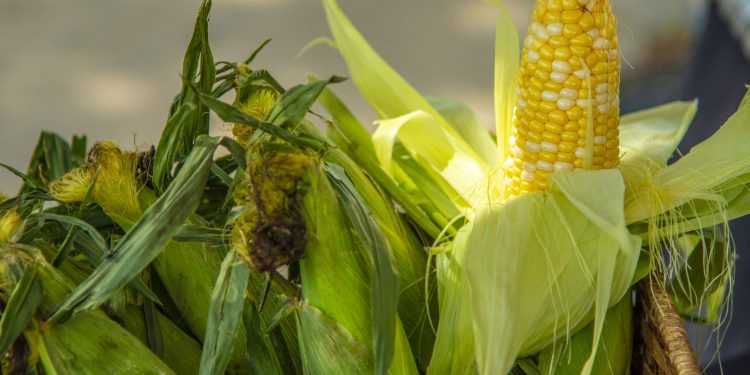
(532,56)
(526,176)
(601,43)
(561,166)
(549,147)
(545,166)
(528,41)
(558,77)
(532,147)
(561,67)
(550,96)
(569,93)
(565,104)
(555,29)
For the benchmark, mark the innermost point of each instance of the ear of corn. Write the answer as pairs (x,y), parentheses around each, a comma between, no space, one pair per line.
(520,304)
(179,350)
(415,303)
(187,270)
(88,343)
(322,289)
(525,256)
(567,115)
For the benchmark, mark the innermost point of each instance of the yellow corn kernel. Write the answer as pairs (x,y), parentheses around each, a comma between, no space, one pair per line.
(567,77)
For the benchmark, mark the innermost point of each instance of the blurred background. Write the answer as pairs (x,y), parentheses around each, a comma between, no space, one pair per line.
(109,69)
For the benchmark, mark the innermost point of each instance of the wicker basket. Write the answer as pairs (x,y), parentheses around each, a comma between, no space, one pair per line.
(660,343)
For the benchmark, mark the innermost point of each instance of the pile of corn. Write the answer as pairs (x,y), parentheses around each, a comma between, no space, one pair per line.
(350,253)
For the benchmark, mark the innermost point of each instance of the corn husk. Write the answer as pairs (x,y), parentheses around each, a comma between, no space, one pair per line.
(342,296)
(88,343)
(417,301)
(568,356)
(153,328)
(187,270)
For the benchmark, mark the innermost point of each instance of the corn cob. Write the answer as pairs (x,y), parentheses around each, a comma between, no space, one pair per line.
(567,113)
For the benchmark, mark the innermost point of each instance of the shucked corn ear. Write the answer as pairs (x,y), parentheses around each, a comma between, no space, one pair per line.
(567,114)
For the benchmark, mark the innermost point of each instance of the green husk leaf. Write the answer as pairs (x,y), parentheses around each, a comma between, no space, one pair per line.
(197,233)
(178,350)
(410,261)
(272,337)
(507,61)
(224,315)
(148,236)
(85,343)
(346,122)
(448,156)
(699,287)
(588,259)
(454,351)
(94,234)
(20,308)
(385,279)
(327,347)
(78,149)
(188,118)
(330,246)
(568,356)
(295,103)
(655,132)
(367,161)
(383,88)
(715,165)
(229,113)
(51,159)
(468,126)
(171,145)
